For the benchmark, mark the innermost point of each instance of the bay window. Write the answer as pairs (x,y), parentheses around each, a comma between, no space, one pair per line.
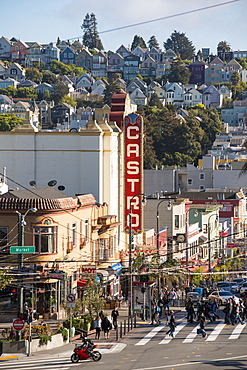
(45,239)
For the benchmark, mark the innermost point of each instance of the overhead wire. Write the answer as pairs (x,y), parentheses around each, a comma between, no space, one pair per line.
(163,18)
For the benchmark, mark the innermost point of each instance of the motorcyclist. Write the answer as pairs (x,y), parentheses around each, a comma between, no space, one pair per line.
(87,343)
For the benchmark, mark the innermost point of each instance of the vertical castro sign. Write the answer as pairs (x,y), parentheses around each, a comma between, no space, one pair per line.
(133,170)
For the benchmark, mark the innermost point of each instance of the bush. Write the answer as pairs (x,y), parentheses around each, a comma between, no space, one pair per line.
(43,339)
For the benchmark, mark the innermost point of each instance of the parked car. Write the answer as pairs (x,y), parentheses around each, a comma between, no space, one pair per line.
(223,285)
(221,296)
(234,287)
(239,281)
(194,296)
(243,290)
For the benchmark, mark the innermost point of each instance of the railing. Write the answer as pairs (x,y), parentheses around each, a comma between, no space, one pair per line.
(124,327)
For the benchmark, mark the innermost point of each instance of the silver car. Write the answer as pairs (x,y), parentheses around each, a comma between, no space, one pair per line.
(221,296)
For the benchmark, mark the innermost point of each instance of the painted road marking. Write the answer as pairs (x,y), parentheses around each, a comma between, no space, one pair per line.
(150,335)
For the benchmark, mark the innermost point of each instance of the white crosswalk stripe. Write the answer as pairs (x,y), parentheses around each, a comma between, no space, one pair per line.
(191,335)
(213,333)
(32,364)
(167,338)
(237,331)
(150,335)
(216,332)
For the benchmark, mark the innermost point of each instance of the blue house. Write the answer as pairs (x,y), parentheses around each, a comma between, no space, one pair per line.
(67,56)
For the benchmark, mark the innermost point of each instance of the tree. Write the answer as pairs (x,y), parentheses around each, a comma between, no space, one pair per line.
(5,279)
(242,62)
(69,100)
(153,43)
(110,89)
(92,300)
(27,92)
(9,121)
(235,78)
(59,91)
(34,74)
(154,101)
(59,67)
(49,77)
(91,37)
(138,41)
(180,44)
(179,73)
(223,46)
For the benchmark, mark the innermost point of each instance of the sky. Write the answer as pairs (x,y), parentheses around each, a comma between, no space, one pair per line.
(44,21)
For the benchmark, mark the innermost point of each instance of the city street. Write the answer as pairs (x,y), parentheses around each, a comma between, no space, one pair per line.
(148,348)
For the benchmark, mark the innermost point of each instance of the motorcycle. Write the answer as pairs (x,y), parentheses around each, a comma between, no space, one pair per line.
(81,353)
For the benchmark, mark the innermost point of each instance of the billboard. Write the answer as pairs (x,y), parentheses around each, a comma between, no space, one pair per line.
(133,171)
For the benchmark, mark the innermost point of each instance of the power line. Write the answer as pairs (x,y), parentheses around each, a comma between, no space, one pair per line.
(163,18)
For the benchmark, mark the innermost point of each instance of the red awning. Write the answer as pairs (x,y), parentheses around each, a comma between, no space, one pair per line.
(81,283)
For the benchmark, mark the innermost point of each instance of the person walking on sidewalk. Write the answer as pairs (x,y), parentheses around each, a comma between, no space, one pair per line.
(114,316)
(97,325)
(171,322)
(173,296)
(106,326)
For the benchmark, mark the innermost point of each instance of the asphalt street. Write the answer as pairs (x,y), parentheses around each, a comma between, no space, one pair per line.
(148,348)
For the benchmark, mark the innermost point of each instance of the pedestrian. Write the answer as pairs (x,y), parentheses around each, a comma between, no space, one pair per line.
(114,315)
(106,326)
(101,314)
(171,322)
(166,302)
(226,311)
(233,312)
(190,310)
(202,321)
(207,310)
(237,316)
(97,325)
(214,307)
(173,296)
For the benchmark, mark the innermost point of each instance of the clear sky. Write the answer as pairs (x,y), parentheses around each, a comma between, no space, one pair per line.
(44,21)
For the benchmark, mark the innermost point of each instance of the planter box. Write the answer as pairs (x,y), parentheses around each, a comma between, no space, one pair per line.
(56,341)
(13,347)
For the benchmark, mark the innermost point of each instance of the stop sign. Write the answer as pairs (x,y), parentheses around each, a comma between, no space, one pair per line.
(18,324)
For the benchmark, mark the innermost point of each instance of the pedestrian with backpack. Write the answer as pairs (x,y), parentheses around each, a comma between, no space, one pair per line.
(171,322)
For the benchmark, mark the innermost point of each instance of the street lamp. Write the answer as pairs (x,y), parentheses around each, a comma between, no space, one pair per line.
(21,225)
(169,206)
(130,248)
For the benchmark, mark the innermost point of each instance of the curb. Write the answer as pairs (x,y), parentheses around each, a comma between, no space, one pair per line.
(6,358)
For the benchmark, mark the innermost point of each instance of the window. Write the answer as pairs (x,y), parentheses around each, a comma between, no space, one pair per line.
(176,221)
(205,228)
(86,229)
(3,237)
(202,187)
(65,55)
(74,234)
(13,71)
(202,176)
(45,239)
(190,181)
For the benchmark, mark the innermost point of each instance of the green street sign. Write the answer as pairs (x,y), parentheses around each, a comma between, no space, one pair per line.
(29,249)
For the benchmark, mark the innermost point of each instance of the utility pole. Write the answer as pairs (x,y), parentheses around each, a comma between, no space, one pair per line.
(20,264)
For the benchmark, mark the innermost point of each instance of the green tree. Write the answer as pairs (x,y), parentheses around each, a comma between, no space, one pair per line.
(9,121)
(138,41)
(179,73)
(49,77)
(39,65)
(5,279)
(92,300)
(34,74)
(27,92)
(235,79)
(59,91)
(154,101)
(91,37)
(153,43)
(47,95)
(110,89)
(59,67)
(242,62)
(69,100)
(180,44)
(223,46)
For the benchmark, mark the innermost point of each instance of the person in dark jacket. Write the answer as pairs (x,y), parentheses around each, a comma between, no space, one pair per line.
(171,323)
(114,315)
(106,326)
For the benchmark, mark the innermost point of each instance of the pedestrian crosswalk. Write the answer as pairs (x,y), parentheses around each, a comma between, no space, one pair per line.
(187,333)
(63,363)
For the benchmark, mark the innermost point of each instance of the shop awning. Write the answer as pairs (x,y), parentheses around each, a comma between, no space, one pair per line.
(82,283)
(117,267)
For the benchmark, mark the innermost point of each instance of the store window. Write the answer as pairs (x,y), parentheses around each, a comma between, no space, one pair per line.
(3,236)
(45,239)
